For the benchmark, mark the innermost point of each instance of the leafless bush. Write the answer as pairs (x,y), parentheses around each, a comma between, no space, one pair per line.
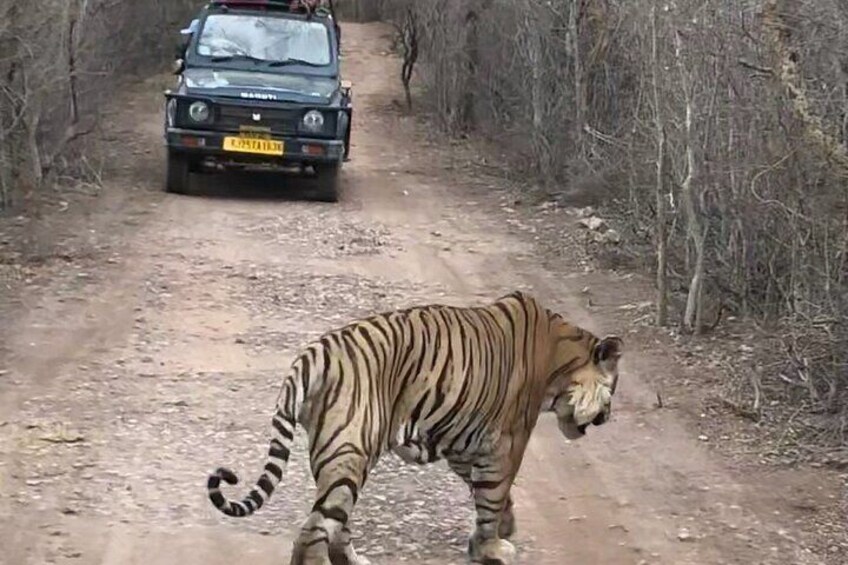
(723,122)
(59,59)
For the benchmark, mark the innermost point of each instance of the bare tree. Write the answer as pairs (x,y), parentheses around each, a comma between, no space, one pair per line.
(713,132)
(57,61)
(696,230)
(404,17)
(662,168)
(574,18)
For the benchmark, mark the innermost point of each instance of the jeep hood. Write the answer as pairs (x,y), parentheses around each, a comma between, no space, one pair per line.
(260,86)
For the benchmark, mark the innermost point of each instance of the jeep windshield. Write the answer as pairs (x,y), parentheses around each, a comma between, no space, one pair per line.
(263,40)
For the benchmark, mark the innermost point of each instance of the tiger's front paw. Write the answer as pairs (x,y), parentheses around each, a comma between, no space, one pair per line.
(491,552)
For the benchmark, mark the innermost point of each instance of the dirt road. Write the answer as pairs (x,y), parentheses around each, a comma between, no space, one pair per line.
(150,353)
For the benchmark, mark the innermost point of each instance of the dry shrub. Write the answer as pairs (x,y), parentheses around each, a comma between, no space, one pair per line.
(755,209)
(59,60)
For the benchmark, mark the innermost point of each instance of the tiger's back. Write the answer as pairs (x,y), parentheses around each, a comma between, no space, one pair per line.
(418,375)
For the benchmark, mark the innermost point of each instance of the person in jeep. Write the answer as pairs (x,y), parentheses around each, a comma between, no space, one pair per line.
(310,5)
(185,38)
(267,39)
(294,5)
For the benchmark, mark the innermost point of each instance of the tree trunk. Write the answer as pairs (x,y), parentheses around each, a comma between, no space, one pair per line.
(468,120)
(409,40)
(533,46)
(579,89)
(661,238)
(696,232)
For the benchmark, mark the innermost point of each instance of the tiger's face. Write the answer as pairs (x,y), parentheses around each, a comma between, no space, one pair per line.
(583,396)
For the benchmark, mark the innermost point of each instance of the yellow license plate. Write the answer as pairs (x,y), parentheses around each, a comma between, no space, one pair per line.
(253,145)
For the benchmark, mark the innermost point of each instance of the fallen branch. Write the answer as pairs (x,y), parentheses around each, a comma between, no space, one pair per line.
(742,411)
(755,67)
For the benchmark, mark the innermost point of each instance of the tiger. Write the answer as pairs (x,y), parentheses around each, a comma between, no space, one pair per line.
(465,384)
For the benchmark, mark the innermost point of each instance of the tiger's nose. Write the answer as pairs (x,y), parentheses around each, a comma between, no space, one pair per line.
(599,419)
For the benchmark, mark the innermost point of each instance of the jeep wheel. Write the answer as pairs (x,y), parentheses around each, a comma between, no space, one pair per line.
(327,185)
(178,173)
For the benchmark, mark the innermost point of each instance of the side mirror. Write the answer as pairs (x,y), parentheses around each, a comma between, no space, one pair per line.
(178,66)
(346,86)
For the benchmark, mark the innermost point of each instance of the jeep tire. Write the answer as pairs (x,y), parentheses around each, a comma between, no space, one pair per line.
(178,173)
(327,179)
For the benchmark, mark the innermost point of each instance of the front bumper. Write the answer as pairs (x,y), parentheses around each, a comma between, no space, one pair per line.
(296,150)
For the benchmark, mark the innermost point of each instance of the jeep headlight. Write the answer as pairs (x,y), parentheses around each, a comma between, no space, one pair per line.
(198,111)
(171,111)
(313,121)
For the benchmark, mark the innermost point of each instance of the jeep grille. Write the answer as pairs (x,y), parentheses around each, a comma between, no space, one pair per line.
(281,121)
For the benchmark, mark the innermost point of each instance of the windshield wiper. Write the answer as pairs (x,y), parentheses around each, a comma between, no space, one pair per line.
(223,58)
(285,62)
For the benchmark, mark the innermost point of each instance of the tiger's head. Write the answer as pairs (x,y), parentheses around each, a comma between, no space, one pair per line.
(583,380)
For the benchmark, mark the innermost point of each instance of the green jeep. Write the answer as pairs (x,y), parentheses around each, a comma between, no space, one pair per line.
(259,87)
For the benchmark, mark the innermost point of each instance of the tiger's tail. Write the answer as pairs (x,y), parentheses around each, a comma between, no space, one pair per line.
(282,431)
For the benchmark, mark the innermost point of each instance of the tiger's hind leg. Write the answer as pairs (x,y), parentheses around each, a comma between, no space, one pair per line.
(507,526)
(325,538)
(343,553)
(312,545)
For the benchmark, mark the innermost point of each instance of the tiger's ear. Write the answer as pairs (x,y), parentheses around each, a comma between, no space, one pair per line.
(608,351)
